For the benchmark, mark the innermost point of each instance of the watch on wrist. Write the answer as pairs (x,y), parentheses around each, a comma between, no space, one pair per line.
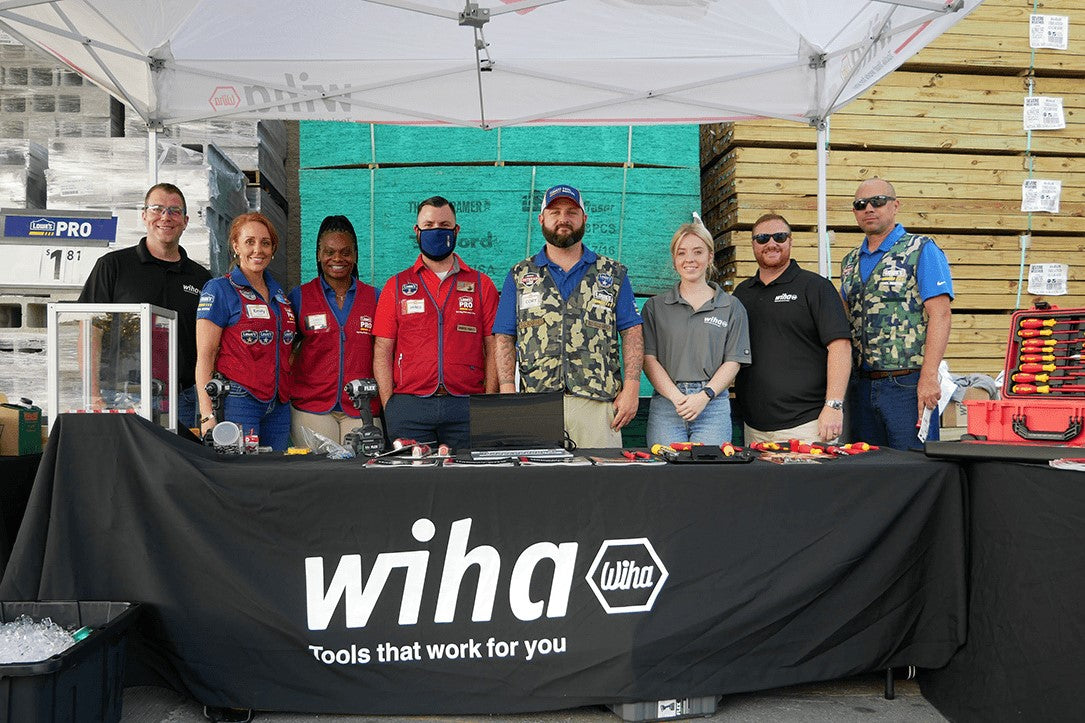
(708,392)
(836,404)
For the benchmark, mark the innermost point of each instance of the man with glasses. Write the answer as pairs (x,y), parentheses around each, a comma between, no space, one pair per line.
(800,344)
(897,289)
(157,271)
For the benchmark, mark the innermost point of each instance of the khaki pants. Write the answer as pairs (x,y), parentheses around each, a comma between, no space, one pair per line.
(804,433)
(587,422)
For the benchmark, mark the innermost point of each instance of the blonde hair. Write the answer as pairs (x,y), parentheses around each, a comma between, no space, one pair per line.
(698,230)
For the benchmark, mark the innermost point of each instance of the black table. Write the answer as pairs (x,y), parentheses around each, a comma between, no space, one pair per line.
(1026,630)
(295,583)
(16,479)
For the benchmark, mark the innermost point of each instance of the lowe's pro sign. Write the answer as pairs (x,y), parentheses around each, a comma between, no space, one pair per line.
(53,249)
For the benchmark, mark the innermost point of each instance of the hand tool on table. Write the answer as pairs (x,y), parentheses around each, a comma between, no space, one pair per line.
(1040,368)
(1041,378)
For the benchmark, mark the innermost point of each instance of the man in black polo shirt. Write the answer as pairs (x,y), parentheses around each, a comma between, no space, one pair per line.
(156,271)
(800,343)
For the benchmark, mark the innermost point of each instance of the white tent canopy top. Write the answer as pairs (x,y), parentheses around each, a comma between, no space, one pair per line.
(488,64)
(493,64)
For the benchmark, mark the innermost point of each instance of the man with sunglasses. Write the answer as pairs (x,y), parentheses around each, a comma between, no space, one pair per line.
(800,343)
(156,271)
(897,289)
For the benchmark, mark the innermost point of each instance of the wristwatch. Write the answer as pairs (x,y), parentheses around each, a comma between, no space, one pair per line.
(708,392)
(836,404)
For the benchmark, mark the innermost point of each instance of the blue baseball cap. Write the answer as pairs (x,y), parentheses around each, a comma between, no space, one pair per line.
(555,192)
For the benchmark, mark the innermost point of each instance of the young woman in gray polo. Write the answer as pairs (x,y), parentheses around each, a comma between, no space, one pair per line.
(696,336)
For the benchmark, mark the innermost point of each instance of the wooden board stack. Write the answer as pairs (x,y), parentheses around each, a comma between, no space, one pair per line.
(947,130)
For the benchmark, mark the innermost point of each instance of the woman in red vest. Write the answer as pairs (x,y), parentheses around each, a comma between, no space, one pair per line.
(335,325)
(245,331)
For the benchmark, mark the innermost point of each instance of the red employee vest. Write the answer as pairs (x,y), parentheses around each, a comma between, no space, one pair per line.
(330,355)
(255,352)
(439,345)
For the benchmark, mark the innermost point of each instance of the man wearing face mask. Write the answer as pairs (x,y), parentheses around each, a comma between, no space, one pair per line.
(433,340)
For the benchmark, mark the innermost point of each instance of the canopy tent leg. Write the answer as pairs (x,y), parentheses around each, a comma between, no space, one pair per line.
(824,252)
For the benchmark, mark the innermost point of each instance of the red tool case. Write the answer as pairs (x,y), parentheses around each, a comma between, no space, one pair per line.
(1043,390)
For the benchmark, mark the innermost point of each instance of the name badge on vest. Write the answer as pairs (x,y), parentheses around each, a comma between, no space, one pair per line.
(316,322)
(256,311)
(530,301)
(414,306)
(466,286)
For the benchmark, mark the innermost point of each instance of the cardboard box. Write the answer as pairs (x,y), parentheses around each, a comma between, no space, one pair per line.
(20,430)
(956,414)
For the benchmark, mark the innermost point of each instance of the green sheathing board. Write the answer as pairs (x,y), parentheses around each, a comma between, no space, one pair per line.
(326,144)
(497,209)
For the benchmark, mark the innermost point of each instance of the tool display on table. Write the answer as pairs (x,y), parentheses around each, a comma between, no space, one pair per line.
(368,439)
(700,453)
(1043,390)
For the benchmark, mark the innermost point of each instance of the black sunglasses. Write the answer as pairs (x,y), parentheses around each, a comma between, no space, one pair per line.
(876,201)
(779,237)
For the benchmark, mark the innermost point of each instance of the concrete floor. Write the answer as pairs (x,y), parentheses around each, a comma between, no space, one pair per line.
(854,699)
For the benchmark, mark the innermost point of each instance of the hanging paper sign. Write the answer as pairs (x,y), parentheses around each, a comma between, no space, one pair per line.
(1040,195)
(1048,31)
(1047,279)
(1043,113)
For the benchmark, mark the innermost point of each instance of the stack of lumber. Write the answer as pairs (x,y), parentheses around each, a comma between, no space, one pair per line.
(947,131)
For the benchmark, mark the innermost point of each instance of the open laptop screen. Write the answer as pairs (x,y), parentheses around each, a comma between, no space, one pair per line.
(517,421)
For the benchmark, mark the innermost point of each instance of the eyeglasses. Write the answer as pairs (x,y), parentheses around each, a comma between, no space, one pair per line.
(160,210)
(876,201)
(779,237)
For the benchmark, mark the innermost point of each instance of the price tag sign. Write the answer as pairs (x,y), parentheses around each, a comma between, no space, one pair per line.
(1049,31)
(54,249)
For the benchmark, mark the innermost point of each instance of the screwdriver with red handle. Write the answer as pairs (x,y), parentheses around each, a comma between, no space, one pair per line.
(1048,342)
(1019,377)
(1047,357)
(1041,323)
(1045,389)
(1033,333)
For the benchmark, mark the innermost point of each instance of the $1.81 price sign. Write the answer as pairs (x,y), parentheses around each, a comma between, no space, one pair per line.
(57,266)
(53,249)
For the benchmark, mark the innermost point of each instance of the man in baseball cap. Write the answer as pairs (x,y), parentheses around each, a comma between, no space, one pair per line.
(566,312)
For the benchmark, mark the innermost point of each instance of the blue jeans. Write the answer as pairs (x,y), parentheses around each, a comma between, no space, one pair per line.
(444,420)
(712,426)
(270,420)
(884,412)
(186,407)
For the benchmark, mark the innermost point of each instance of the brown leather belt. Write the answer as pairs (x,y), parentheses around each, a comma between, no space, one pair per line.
(441,391)
(886,374)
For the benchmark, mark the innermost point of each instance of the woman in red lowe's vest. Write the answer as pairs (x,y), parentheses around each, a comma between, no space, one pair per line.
(335,325)
(245,331)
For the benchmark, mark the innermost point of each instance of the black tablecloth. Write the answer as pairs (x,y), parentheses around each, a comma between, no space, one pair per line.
(16,479)
(312,585)
(1026,637)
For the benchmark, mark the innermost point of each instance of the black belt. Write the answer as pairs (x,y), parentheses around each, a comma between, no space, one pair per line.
(867,374)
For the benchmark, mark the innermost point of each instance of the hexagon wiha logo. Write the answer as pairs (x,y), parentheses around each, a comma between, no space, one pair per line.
(626,575)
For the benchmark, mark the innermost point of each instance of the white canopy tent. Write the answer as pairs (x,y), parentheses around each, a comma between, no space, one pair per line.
(488,64)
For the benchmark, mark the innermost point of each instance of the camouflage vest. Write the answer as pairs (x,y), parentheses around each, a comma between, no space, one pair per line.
(888,322)
(569,344)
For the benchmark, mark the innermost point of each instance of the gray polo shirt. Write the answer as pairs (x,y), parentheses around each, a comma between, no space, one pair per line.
(692,344)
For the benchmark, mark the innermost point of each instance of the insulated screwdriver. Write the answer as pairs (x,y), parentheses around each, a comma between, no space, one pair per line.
(1032,389)
(1032,333)
(1041,323)
(1042,377)
(1047,357)
(1048,343)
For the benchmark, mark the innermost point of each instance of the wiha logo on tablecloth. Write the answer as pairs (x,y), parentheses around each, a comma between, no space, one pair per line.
(626,576)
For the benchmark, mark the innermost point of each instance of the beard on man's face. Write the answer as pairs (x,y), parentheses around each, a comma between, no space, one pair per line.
(562,241)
